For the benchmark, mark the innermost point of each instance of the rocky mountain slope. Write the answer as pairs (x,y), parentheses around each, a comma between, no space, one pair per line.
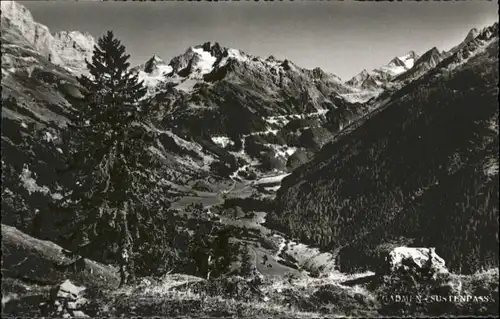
(423,169)
(243,104)
(66,49)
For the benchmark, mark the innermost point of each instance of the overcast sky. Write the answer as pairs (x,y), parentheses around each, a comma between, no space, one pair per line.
(340,37)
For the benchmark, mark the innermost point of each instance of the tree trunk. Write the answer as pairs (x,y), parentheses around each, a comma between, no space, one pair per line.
(37,224)
(126,262)
(209,270)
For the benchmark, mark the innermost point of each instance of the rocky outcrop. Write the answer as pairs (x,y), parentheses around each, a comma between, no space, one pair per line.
(66,301)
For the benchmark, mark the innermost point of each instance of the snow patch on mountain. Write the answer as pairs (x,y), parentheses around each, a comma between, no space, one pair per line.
(271,131)
(277,120)
(361,96)
(222,141)
(399,65)
(237,55)
(158,75)
(205,61)
(187,85)
(273,188)
(233,55)
(408,59)
(282,150)
(493,124)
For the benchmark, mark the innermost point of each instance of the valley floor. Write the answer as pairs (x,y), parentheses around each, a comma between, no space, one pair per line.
(286,288)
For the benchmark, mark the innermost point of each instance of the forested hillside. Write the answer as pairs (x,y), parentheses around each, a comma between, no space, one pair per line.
(422,171)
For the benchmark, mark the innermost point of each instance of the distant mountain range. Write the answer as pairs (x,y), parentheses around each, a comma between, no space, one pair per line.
(409,67)
(381,76)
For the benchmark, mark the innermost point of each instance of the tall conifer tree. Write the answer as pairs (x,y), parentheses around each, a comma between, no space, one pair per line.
(117,188)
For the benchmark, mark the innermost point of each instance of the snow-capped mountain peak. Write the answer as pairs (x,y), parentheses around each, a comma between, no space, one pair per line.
(199,60)
(433,58)
(156,59)
(153,71)
(209,63)
(401,64)
(237,55)
(213,48)
(471,46)
(190,67)
(153,64)
(405,61)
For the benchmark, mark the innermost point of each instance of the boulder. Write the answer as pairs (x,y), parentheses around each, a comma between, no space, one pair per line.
(66,300)
(68,290)
(423,260)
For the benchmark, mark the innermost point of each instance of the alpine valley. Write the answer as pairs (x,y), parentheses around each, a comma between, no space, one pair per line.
(317,178)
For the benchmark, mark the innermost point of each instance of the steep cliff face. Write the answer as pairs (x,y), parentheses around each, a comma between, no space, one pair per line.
(66,49)
(422,169)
